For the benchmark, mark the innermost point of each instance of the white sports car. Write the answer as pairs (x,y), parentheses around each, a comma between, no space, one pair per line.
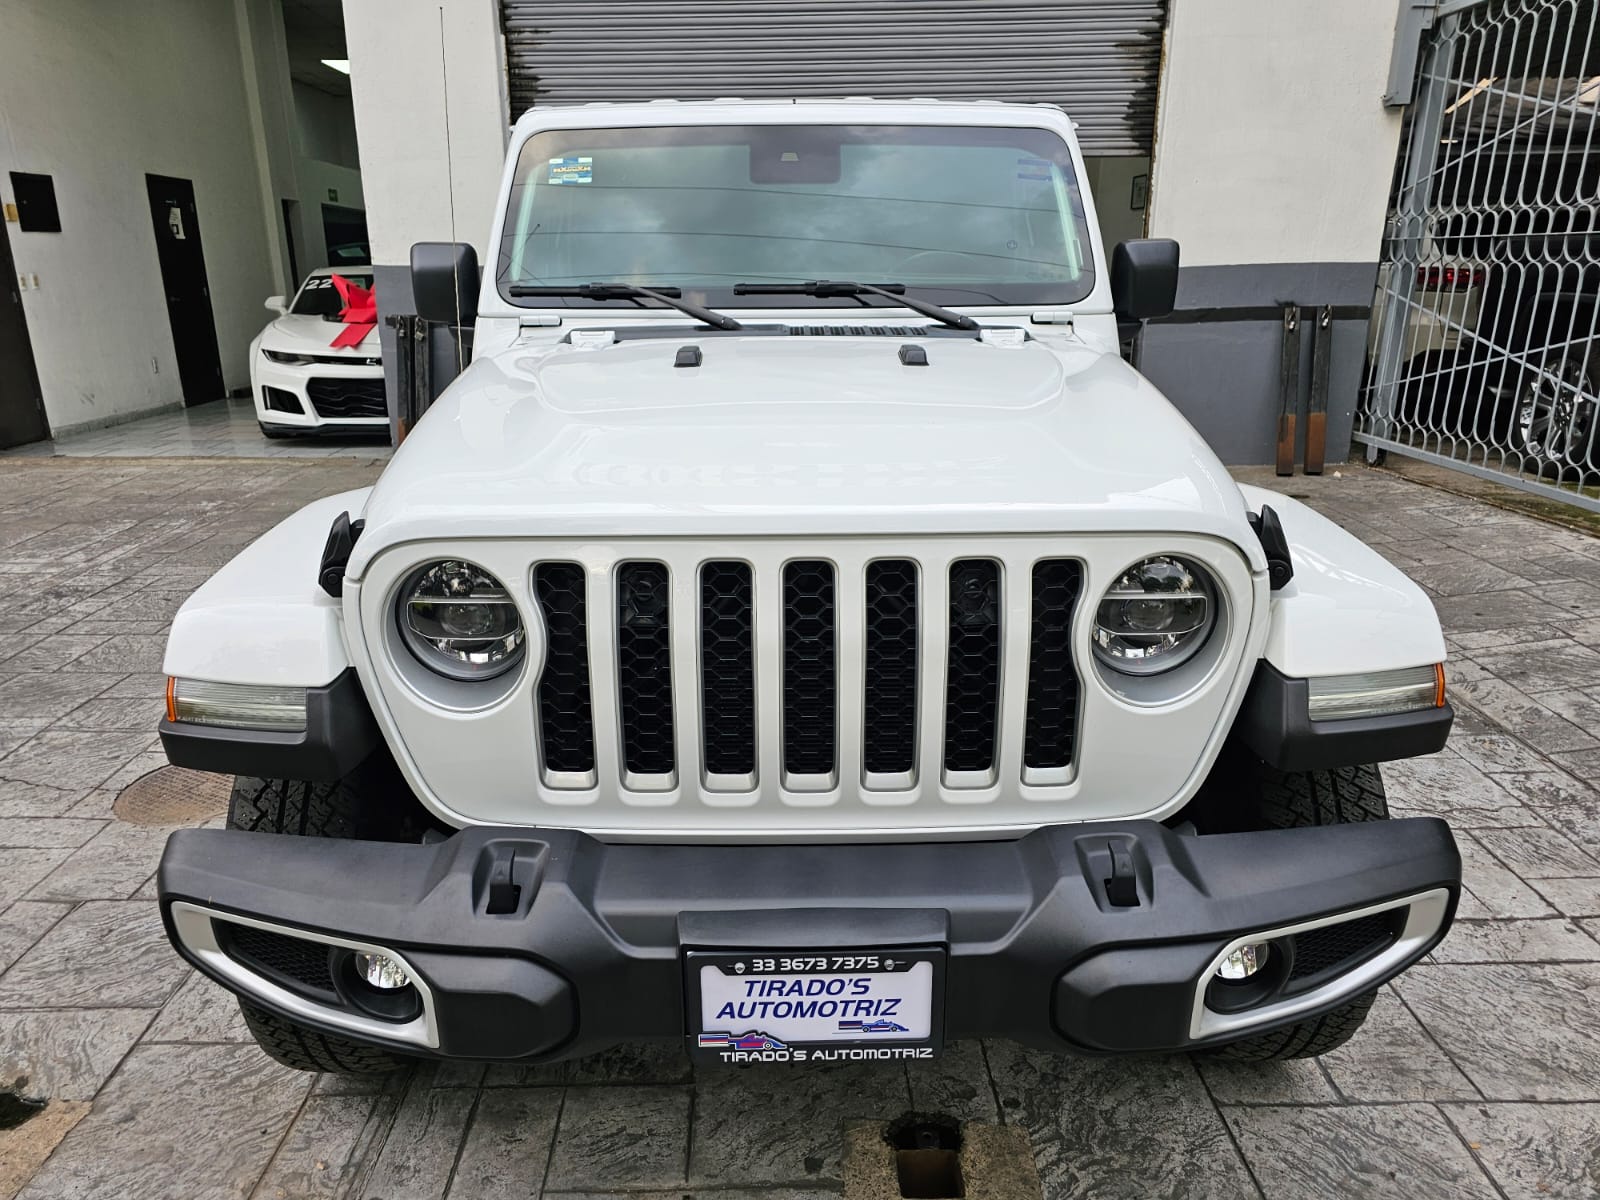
(300,381)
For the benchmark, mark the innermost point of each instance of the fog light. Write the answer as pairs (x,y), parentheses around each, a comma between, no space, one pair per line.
(381,971)
(1245,961)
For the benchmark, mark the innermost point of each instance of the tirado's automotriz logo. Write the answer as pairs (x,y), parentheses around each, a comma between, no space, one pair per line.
(755,1046)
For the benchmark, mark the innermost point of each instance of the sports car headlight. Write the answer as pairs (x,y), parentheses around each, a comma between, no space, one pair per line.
(1155,616)
(459,621)
(288,360)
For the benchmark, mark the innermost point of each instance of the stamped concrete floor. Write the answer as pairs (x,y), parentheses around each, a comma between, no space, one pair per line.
(1477,1076)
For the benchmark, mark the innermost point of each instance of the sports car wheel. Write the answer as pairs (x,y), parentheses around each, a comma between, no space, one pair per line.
(1556,416)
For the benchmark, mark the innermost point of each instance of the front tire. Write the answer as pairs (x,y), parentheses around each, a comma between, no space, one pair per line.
(372,802)
(1263,797)
(303,1049)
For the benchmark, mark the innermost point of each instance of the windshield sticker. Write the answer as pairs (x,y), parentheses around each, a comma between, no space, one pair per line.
(572,170)
(1033,168)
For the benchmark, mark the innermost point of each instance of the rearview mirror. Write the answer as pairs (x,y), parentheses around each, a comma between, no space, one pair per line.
(1144,278)
(444,282)
(277,304)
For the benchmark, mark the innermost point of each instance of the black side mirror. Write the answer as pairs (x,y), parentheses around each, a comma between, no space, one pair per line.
(444,282)
(1144,278)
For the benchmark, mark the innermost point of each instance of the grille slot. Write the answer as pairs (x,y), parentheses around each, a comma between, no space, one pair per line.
(727,669)
(644,667)
(972,672)
(1051,727)
(342,399)
(889,733)
(810,672)
(1344,945)
(294,962)
(566,723)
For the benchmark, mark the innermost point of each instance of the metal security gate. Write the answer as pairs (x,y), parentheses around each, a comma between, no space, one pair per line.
(1098,59)
(1482,339)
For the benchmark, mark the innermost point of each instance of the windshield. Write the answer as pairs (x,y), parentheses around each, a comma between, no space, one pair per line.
(319,298)
(962,214)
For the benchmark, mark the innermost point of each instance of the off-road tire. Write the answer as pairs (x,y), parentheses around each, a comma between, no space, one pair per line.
(1294,800)
(307,1050)
(370,802)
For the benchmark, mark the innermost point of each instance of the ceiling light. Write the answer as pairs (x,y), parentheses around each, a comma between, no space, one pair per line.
(341,65)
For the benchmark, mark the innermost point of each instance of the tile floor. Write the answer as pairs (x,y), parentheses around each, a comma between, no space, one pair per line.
(220,429)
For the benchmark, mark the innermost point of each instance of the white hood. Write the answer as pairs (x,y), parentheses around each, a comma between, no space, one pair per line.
(799,435)
(294,334)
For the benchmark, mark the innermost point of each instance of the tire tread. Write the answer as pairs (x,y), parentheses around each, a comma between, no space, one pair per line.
(307,1050)
(1295,800)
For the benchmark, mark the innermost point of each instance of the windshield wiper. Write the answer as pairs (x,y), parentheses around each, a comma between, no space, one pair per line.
(669,296)
(840,287)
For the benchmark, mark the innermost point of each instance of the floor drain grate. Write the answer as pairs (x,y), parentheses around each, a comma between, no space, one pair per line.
(931,1156)
(171,796)
(927,1157)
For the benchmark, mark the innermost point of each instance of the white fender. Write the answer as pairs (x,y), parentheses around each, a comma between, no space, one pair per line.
(1347,609)
(263,618)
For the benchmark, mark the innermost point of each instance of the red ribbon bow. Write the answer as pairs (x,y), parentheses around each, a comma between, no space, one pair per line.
(360,312)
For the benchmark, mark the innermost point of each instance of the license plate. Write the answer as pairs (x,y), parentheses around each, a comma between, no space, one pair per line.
(815,1006)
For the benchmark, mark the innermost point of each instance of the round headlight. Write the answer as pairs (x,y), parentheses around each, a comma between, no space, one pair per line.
(1155,616)
(459,621)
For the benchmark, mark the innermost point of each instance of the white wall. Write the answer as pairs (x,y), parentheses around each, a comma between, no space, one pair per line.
(1272,143)
(400,54)
(326,124)
(97,95)
(264,58)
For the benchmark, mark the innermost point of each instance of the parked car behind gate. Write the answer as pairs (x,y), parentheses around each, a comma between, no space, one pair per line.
(1498,270)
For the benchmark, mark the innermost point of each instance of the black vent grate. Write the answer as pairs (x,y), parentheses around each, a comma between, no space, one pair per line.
(890,720)
(566,724)
(810,681)
(1052,679)
(857,330)
(972,683)
(1344,944)
(342,399)
(292,961)
(727,668)
(644,667)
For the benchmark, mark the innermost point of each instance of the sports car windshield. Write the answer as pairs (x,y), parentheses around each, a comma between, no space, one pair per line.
(964,215)
(319,298)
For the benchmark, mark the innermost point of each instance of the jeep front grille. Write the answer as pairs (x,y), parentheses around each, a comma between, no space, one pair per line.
(693,633)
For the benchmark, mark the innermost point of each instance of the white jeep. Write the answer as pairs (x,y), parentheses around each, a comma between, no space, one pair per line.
(799,635)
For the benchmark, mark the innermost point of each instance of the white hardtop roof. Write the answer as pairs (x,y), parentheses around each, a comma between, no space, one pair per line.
(795,110)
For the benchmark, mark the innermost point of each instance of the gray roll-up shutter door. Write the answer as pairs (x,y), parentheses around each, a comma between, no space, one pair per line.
(1098,59)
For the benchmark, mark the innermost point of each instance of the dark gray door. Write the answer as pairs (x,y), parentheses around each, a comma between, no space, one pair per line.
(183,278)
(1099,59)
(21,406)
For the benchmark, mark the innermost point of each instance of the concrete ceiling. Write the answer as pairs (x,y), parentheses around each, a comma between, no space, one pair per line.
(314,30)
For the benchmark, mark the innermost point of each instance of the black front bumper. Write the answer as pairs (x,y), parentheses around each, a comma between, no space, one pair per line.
(590,952)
